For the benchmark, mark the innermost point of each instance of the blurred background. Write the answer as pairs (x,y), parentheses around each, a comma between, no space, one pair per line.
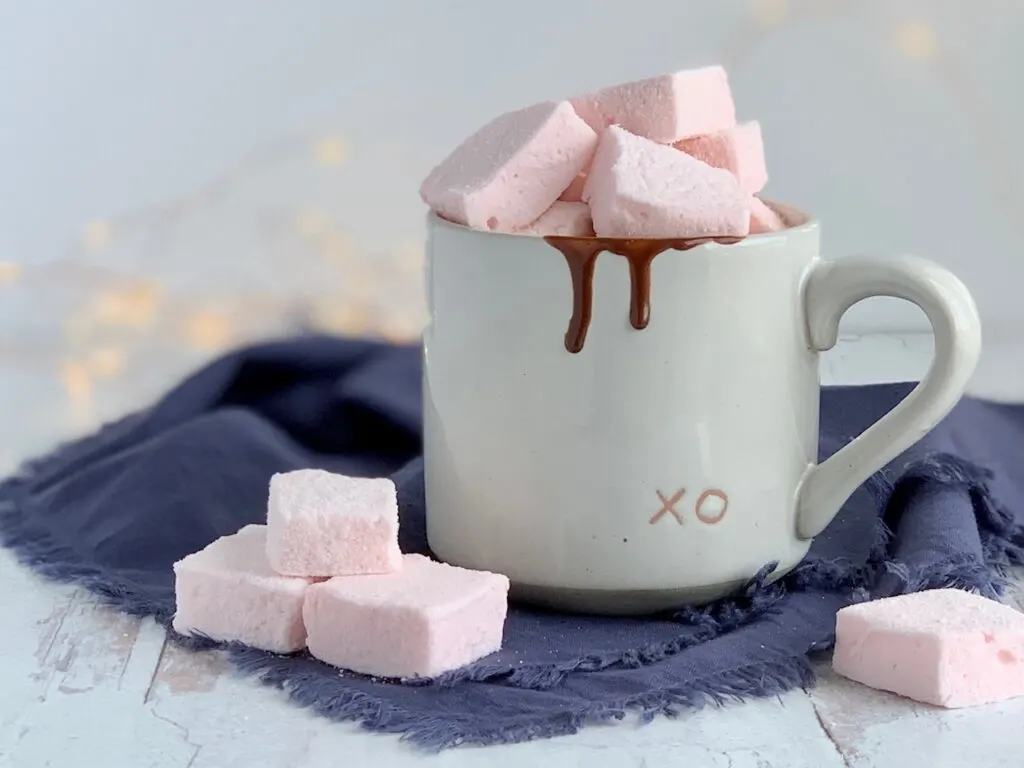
(180,177)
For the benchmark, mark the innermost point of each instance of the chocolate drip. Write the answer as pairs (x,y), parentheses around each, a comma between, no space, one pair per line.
(581,255)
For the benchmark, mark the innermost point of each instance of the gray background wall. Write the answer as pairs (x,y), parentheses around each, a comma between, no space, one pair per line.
(179,175)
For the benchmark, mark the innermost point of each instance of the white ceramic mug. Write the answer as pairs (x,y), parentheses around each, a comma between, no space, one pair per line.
(658,466)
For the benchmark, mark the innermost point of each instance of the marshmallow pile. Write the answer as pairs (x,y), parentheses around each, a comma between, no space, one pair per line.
(660,158)
(325,573)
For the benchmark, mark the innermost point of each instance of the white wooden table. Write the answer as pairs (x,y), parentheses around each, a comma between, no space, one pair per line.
(81,685)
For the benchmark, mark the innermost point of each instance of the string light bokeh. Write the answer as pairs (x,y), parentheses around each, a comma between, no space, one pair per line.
(918,41)
(129,316)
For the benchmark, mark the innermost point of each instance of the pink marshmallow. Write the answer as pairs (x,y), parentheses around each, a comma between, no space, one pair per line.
(739,150)
(763,218)
(320,524)
(510,171)
(228,591)
(569,219)
(638,188)
(574,192)
(666,108)
(427,619)
(944,647)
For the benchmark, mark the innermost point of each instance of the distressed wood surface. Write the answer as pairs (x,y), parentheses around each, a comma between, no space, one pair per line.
(81,684)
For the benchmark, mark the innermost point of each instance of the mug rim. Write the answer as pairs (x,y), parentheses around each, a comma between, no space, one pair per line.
(803,222)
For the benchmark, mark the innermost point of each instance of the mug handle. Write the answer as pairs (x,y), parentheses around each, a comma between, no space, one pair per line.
(831,288)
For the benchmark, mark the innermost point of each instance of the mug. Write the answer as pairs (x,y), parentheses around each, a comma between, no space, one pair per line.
(623,426)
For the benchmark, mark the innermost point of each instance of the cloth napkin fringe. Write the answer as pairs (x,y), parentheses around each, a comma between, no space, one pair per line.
(1002,540)
(306,689)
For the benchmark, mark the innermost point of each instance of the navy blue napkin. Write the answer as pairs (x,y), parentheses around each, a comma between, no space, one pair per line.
(115,510)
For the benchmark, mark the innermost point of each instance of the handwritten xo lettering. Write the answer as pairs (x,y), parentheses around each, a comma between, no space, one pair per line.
(668,506)
(709,508)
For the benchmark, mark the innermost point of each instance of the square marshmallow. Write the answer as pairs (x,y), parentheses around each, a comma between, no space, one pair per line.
(321,524)
(510,171)
(426,619)
(666,108)
(564,219)
(763,218)
(639,188)
(739,150)
(945,647)
(228,591)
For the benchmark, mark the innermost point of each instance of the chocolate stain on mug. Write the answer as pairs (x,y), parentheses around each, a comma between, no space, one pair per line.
(581,255)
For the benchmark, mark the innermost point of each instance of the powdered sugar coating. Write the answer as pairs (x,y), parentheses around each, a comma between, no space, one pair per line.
(739,150)
(422,621)
(666,108)
(322,524)
(638,188)
(562,218)
(763,218)
(228,591)
(510,171)
(945,647)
